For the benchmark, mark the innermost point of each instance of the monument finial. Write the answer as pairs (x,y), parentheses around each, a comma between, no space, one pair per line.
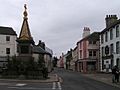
(25,6)
(25,12)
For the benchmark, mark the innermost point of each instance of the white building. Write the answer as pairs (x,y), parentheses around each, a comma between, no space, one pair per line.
(48,59)
(8,44)
(110,44)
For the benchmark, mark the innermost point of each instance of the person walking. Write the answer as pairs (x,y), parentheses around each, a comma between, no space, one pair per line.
(113,76)
(115,72)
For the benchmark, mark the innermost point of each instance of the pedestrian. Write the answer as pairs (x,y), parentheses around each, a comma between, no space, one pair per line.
(115,72)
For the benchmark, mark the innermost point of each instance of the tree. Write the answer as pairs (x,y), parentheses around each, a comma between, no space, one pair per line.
(41,66)
(26,68)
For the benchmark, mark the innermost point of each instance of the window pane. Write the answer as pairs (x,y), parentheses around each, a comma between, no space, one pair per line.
(111,48)
(102,51)
(102,38)
(111,34)
(117,31)
(7,38)
(90,42)
(94,42)
(107,50)
(7,50)
(106,36)
(90,53)
(80,54)
(94,53)
(117,47)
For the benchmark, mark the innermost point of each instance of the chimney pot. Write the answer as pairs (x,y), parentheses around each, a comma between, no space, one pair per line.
(110,19)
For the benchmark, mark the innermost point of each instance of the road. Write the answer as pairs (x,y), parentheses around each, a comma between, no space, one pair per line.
(71,81)
(76,81)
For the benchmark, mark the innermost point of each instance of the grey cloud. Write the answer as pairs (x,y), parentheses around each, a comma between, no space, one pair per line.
(58,22)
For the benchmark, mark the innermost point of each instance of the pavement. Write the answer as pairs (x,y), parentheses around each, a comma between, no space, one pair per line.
(102,77)
(51,78)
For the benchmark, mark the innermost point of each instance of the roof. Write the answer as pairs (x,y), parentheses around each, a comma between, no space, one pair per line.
(25,31)
(39,50)
(49,50)
(92,37)
(7,31)
(111,26)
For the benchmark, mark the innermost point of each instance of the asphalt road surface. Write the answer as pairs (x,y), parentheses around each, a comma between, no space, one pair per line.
(76,81)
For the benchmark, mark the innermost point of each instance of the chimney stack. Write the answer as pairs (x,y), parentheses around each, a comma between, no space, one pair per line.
(86,32)
(110,19)
(41,44)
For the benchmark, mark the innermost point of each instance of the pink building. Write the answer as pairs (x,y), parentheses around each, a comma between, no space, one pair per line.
(60,62)
(88,52)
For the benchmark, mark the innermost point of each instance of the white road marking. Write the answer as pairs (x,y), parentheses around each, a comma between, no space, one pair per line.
(20,84)
(59,86)
(54,85)
(29,88)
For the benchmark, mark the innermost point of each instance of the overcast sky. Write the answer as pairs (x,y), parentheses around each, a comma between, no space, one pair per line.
(59,23)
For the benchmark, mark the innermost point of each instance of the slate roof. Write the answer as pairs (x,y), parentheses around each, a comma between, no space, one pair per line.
(92,37)
(39,50)
(7,31)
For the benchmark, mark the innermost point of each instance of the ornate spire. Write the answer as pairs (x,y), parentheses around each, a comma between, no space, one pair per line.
(25,31)
(25,12)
